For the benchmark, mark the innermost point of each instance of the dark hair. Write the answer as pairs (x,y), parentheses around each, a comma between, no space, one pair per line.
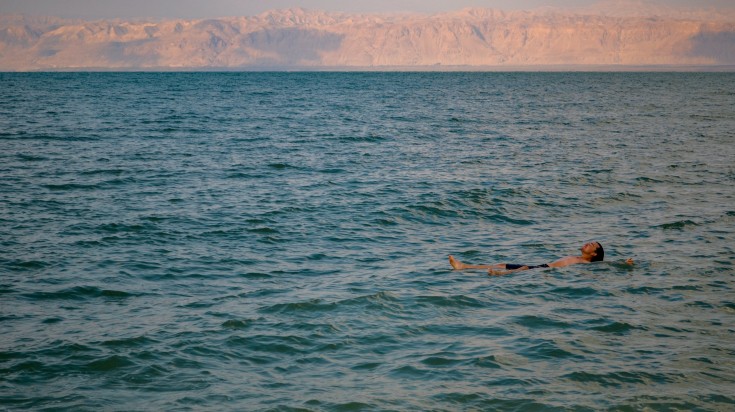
(599,253)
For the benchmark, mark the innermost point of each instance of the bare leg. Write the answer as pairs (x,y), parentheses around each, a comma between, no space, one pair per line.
(456,264)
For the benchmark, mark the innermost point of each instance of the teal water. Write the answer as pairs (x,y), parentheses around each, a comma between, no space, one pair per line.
(278,241)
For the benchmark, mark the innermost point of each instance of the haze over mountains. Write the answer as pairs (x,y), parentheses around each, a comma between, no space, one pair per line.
(612,33)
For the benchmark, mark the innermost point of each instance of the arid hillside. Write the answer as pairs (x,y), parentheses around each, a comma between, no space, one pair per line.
(300,38)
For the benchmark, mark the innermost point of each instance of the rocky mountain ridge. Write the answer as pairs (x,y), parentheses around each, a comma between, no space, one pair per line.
(312,39)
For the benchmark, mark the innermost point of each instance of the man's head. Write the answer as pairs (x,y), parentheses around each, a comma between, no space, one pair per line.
(594,250)
(599,253)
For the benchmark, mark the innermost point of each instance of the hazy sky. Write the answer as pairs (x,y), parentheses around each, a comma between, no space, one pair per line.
(91,9)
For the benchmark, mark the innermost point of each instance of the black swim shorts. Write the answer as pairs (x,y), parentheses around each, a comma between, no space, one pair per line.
(511,266)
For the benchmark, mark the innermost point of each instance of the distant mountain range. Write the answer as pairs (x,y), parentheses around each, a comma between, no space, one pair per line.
(297,38)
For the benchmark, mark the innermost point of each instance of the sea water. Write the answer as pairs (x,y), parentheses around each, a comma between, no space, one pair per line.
(279,241)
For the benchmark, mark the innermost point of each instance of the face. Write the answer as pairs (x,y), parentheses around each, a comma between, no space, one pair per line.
(590,247)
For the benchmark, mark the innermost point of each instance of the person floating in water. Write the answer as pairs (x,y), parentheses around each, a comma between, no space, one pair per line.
(591,252)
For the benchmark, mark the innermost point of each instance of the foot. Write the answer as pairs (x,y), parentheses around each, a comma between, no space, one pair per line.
(456,264)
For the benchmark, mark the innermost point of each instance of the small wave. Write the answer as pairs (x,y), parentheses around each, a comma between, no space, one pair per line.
(256,221)
(409,372)
(576,292)
(115,293)
(117,182)
(539,322)
(30,158)
(282,345)
(502,218)
(155,219)
(369,138)
(95,172)
(259,93)
(458,301)
(366,366)
(477,196)
(615,379)
(317,256)
(644,179)
(382,301)
(237,323)
(619,197)
(109,364)
(12,135)
(244,176)
(313,305)
(678,225)
(22,265)
(123,228)
(441,361)
(316,360)
(334,406)
(288,210)
(147,375)
(263,230)
(686,287)
(600,171)
(255,275)
(703,359)
(281,166)
(487,362)
(547,350)
(728,307)
(198,304)
(616,328)
(138,341)
(484,402)
(70,186)
(459,330)
(379,300)
(79,293)
(701,304)
(435,209)
(89,186)
(510,192)
(644,290)
(385,222)
(223,233)
(332,171)
(27,366)
(48,137)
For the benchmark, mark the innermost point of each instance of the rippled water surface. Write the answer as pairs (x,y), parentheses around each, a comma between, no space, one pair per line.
(279,241)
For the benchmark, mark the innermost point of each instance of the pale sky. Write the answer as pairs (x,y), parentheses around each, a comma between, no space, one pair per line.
(191,9)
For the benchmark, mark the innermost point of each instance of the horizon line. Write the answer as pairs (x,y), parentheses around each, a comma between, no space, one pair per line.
(542,68)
